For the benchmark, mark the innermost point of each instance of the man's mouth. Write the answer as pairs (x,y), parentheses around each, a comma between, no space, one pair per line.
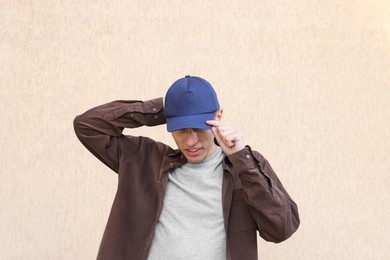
(193,151)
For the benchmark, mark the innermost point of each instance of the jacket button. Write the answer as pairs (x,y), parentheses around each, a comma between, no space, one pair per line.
(154,109)
(247,156)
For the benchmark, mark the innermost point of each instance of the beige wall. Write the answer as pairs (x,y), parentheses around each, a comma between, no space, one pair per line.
(307,81)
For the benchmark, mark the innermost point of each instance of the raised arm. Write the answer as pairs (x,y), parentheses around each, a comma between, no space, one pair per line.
(100,129)
(275,213)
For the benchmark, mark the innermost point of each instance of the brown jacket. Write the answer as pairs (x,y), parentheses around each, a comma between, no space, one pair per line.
(253,197)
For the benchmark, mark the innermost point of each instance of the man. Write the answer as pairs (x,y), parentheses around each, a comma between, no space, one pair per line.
(204,200)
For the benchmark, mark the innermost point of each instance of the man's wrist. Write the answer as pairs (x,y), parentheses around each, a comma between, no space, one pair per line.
(243,158)
(154,112)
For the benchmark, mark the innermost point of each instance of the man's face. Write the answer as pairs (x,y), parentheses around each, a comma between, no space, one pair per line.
(196,144)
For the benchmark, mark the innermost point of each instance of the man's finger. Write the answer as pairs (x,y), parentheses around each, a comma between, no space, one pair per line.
(213,123)
(214,131)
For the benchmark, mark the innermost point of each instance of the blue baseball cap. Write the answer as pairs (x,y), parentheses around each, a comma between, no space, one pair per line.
(189,102)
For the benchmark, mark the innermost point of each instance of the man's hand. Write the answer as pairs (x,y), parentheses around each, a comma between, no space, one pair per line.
(228,137)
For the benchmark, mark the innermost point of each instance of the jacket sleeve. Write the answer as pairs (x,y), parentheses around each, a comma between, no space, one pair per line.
(100,129)
(275,213)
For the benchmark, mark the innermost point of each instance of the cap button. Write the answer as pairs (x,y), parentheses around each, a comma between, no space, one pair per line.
(187,76)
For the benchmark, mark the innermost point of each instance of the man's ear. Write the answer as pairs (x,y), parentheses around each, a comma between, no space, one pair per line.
(218,114)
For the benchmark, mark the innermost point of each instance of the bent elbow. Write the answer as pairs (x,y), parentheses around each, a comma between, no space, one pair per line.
(281,230)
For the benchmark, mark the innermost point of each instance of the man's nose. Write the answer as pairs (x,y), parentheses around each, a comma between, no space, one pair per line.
(192,137)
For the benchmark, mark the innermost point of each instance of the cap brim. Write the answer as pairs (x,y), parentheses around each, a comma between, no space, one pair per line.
(189,121)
